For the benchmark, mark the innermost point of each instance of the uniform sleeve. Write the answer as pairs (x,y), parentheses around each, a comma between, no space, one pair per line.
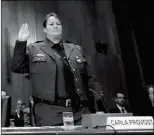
(92,80)
(95,86)
(20,60)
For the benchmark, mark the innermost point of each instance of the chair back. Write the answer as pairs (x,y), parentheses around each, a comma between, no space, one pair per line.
(5,110)
(31,106)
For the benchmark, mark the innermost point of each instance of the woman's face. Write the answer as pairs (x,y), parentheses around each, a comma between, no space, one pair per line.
(151,94)
(53,27)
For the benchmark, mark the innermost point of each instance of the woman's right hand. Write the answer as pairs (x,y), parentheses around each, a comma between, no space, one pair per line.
(23,33)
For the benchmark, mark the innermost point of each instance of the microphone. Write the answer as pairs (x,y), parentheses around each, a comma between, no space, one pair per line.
(102,99)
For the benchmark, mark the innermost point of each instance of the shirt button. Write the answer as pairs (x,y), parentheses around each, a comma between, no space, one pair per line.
(73,69)
(76,79)
(78,90)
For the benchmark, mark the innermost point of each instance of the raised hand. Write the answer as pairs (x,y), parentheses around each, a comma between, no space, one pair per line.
(23,32)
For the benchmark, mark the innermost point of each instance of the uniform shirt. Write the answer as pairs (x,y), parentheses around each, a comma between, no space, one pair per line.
(64,75)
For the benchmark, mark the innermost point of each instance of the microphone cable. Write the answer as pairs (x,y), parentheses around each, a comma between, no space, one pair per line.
(102,100)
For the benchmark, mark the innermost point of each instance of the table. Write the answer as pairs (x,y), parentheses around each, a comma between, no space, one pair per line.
(78,130)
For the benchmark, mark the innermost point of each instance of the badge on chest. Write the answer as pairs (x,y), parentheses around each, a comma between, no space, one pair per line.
(80,59)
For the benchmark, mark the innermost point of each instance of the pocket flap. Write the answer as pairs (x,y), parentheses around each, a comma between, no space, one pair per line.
(39,59)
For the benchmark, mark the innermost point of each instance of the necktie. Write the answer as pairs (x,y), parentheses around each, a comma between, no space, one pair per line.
(123,111)
(60,50)
(68,75)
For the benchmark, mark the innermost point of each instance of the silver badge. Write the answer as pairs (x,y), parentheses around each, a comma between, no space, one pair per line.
(78,59)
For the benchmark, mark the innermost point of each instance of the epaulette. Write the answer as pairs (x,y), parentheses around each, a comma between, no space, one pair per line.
(39,41)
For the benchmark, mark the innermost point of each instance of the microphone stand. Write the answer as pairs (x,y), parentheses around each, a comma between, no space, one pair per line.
(102,99)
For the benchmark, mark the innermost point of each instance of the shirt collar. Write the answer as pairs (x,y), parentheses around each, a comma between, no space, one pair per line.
(120,107)
(53,44)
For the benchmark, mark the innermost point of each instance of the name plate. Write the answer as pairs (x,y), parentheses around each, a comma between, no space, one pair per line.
(129,122)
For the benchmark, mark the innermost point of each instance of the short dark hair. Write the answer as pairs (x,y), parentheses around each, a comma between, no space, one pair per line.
(115,94)
(49,15)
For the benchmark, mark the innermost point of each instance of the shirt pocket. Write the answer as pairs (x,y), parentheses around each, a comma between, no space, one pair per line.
(39,64)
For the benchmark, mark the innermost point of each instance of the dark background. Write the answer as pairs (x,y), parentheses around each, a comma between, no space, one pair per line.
(133,20)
